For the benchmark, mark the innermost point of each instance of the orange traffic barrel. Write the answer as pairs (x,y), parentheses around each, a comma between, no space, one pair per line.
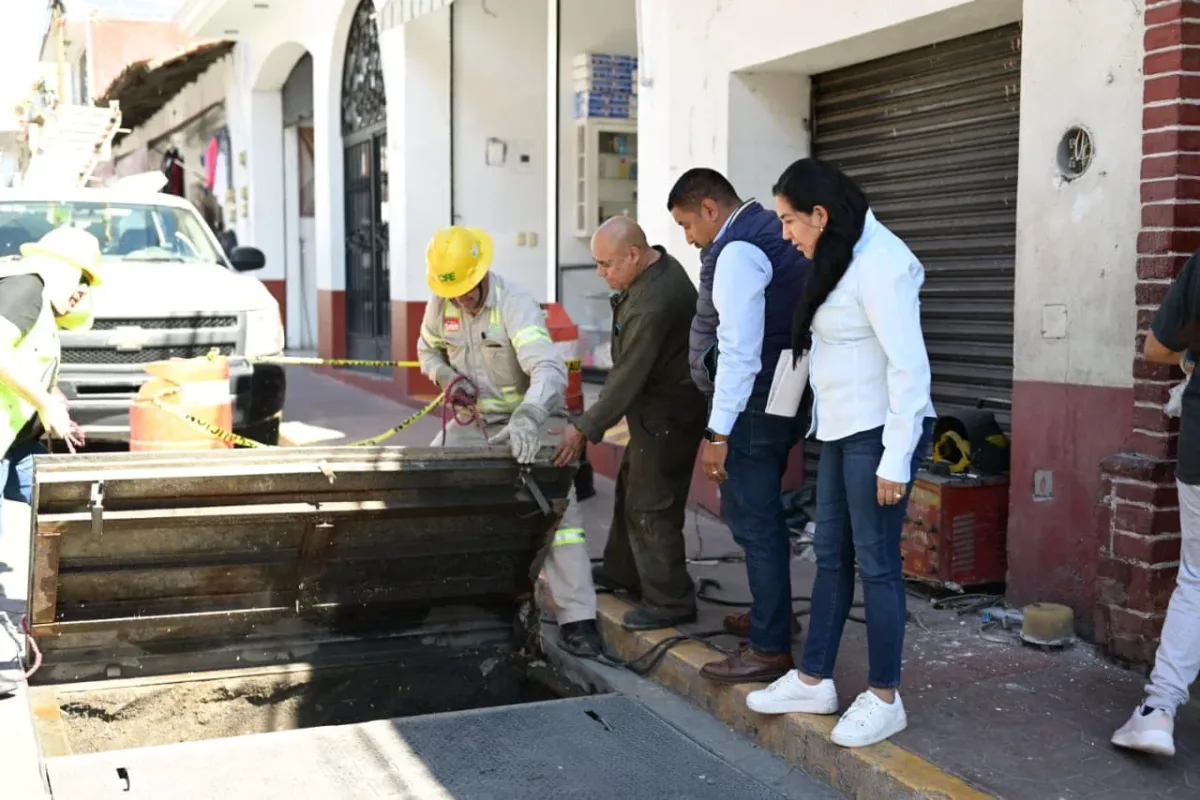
(565,334)
(195,387)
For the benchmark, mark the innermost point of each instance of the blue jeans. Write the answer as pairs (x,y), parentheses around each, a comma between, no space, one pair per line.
(16,473)
(852,525)
(758,453)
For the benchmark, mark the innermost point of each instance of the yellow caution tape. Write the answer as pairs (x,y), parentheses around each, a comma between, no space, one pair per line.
(329,362)
(374,440)
(237,440)
(301,361)
(573,364)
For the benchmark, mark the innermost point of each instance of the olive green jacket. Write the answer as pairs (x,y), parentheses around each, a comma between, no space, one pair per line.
(650,375)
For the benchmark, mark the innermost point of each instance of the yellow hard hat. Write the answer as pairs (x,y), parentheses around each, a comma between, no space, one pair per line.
(72,246)
(457,259)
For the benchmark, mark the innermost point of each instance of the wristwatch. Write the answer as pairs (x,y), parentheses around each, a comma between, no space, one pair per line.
(715,438)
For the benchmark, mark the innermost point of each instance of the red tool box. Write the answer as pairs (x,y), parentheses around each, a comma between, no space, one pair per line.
(955,530)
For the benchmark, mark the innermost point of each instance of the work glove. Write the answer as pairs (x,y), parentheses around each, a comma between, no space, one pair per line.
(56,419)
(444,375)
(523,433)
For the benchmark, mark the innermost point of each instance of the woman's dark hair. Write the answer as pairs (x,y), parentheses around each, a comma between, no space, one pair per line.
(806,184)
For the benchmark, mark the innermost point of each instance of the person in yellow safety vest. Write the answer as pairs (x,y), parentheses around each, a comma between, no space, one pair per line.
(47,289)
(491,331)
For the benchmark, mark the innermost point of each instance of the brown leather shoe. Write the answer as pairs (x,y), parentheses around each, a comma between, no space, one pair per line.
(748,666)
(739,625)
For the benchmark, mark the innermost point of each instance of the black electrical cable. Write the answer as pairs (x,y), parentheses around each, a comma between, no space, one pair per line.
(644,663)
(706,583)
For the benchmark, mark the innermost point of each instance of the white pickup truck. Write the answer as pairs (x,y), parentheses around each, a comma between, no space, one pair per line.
(168,290)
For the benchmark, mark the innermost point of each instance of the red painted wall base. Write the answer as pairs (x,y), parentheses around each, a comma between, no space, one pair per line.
(1053,542)
(278,290)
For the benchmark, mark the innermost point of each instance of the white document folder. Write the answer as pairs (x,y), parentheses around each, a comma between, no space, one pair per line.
(788,384)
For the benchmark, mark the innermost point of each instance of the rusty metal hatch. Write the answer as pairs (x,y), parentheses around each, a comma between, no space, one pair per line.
(148,563)
(932,137)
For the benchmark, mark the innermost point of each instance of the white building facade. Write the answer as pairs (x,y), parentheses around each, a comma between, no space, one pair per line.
(1015,146)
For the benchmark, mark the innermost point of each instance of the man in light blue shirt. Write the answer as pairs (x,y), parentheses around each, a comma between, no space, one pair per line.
(750,282)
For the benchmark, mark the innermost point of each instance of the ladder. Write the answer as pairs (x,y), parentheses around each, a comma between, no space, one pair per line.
(70,143)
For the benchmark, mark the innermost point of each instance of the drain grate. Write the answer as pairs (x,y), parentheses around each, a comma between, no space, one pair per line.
(582,748)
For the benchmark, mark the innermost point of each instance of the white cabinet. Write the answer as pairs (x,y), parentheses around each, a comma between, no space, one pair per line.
(605,171)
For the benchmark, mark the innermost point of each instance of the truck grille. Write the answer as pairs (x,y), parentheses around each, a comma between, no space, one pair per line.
(168,323)
(82,355)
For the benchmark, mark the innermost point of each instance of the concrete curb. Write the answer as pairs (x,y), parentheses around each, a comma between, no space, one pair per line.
(882,771)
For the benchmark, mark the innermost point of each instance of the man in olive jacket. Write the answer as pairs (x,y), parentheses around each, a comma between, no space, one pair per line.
(650,385)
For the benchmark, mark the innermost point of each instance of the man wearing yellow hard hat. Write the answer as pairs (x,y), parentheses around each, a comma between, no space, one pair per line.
(492,332)
(48,288)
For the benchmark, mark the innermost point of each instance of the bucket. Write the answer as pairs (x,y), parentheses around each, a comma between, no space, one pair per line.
(198,387)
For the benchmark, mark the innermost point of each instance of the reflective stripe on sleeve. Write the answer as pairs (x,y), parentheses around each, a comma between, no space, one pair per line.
(507,403)
(430,339)
(568,536)
(534,333)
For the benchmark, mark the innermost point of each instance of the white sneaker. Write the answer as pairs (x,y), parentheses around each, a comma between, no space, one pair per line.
(1151,730)
(870,720)
(790,694)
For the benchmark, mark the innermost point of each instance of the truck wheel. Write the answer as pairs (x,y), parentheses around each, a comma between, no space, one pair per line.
(264,432)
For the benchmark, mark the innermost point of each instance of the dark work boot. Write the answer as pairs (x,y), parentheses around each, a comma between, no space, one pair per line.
(605,583)
(580,638)
(643,619)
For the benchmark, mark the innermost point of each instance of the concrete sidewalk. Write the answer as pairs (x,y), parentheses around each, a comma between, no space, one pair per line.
(988,716)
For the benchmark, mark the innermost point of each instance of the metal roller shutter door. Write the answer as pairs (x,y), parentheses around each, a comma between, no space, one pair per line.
(931,136)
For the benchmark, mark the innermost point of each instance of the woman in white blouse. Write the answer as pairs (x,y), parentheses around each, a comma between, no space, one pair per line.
(860,320)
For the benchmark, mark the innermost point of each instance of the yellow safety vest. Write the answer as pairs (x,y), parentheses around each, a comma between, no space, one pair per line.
(38,352)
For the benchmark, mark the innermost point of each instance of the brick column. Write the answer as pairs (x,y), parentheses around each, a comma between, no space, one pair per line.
(1139,511)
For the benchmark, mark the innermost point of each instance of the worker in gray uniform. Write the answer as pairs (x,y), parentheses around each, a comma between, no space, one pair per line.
(493,333)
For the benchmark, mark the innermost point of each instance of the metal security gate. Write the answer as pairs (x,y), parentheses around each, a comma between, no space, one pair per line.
(364,126)
(931,136)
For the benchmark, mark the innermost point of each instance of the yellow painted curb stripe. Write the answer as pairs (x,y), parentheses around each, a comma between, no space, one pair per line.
(803,740)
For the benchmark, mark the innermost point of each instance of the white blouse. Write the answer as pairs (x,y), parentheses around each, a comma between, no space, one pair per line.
(868,366)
